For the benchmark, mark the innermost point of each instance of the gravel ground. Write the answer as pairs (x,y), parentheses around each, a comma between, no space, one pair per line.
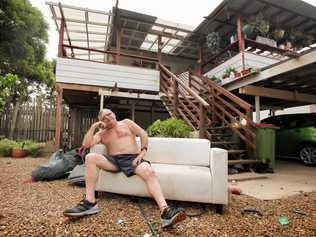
(36,210)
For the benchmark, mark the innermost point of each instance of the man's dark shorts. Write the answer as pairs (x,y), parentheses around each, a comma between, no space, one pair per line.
(125,163)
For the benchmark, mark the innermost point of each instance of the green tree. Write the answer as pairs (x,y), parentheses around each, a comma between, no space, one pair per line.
(23,38)
(6,84)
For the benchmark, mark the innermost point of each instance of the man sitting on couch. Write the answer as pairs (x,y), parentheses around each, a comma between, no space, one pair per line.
(123,154)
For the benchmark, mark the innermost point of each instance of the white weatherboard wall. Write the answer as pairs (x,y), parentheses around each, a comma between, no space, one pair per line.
(100,74)
(251,60)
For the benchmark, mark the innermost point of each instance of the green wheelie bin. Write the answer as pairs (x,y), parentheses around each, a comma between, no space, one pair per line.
(265,144)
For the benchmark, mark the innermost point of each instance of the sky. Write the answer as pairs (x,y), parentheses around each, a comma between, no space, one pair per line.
(179,11)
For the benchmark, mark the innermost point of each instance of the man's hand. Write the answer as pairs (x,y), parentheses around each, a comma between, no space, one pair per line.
(99,124)
(139,158)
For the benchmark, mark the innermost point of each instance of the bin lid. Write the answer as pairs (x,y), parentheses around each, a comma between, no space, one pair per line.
(266,125)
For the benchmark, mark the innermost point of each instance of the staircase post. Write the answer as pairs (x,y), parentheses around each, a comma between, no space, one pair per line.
(175,98)
(213,104)
(202,127)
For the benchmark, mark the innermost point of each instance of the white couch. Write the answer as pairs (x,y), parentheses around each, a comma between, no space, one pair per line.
(187,169)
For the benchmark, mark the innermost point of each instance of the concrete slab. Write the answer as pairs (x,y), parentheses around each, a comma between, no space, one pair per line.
(290,178)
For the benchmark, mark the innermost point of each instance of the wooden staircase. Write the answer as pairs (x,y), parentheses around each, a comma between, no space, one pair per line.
(218,115)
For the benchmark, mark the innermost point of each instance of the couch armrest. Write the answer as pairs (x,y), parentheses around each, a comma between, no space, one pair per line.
(98,148)
(219,173)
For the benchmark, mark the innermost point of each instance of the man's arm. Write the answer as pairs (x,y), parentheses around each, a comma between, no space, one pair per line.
(90,138)
(143,137)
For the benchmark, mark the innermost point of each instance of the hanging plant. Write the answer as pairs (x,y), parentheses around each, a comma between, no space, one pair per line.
(259,25)
(213,42)
(278,34)
(247,29)
(301,39)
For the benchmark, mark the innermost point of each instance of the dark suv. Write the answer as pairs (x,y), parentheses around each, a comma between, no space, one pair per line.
(296,137)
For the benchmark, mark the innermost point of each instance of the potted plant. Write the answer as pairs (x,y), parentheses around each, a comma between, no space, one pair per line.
(215,79)
(245,71)
(213,42)
(229,72)
(18,150)
(237,74)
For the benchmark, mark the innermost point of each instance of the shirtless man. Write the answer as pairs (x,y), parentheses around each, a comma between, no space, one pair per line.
(123,155)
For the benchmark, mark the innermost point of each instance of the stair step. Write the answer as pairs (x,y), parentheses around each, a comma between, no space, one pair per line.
(218,128)
(224,143)
(235,162)
(221,134)
(234,152)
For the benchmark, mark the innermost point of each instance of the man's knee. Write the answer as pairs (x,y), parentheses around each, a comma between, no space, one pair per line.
(146,170)
(91,158)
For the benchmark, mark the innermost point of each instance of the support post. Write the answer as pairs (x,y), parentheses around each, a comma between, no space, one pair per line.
(133,111)
(200,60)
(159,56)
(152,113)
(202,115)
(101,102)
(58,116)
(190,79)
(118,45)
(241,41)
(213,104)
(61,38)
(257,104)
(175,98)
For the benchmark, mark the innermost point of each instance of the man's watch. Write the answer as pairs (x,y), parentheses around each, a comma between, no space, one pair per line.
(144,148)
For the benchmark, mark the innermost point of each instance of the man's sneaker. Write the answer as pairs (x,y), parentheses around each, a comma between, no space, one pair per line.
(171,216)
(83,208)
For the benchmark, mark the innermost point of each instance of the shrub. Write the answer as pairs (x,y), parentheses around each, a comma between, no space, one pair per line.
(171,127)
(6,146)
(34,149)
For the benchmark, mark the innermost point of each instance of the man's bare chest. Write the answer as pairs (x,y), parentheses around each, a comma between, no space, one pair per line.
(119,132)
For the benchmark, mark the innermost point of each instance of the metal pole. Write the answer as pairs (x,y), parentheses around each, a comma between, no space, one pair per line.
(257,105)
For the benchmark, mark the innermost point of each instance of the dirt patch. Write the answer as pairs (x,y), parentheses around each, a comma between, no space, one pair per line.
(36,210)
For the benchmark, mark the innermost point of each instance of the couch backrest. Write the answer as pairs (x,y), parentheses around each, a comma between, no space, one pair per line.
(181,151)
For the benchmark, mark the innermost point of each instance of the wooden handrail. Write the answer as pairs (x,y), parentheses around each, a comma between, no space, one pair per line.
(228,94)
(227,105)
(189,90)
(179,94)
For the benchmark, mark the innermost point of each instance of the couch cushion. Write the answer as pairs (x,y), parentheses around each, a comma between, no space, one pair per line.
(181,151)
(178,182)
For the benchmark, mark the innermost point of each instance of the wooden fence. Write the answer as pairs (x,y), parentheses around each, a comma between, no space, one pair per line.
(35,121)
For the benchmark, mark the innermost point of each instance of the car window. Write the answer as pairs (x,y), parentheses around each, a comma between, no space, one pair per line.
(308,121)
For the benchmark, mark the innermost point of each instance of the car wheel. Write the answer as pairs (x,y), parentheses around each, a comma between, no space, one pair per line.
(307,154)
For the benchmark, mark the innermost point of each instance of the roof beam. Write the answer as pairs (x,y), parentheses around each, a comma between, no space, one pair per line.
(284,9)
(156,32)
(90,32)
(83,22)
(87,31)
(278,94)
(54,15)
(157,24)
(78,8)
(63,17)
(110,93)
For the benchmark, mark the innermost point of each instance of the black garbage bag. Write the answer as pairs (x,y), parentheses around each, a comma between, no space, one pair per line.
(76,176)
(59,165)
